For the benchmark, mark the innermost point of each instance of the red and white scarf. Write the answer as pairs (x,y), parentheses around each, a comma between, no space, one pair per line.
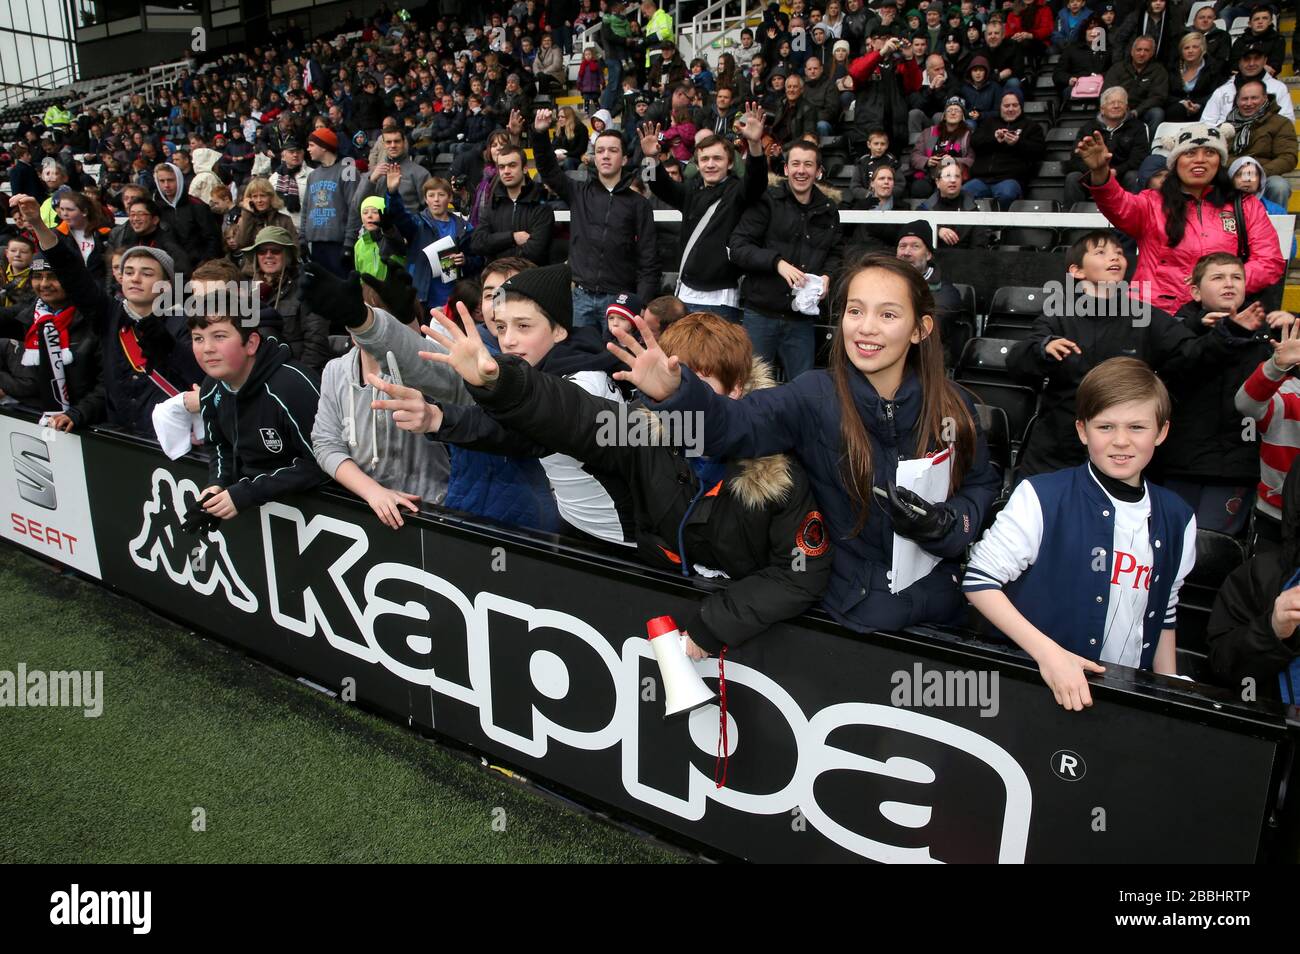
(62,321)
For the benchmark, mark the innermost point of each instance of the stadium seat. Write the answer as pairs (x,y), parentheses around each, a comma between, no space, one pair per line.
(340,344)
(997,434)
(1217,555)
(1239,26)
(1041,107)
(968,300)
(985,205)
(1031,238)
(1035,205)
(1070,236)
(1012,312)
(982,370)
(1084,207)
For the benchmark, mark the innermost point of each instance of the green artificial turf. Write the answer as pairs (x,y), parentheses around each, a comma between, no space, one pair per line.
(283,773)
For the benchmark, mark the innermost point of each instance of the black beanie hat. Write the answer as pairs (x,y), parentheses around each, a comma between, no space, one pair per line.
(550,287)
(920,229)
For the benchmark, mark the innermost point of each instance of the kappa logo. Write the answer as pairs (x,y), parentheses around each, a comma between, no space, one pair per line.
(584,692)
(32,469)
(203,564)
(271,439)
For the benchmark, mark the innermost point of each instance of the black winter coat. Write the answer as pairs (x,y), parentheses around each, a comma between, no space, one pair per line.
(500,217)
(781,228)
(259,437)
(612,244)
(34,384)
(194,226)
(164,341)
(1128,144)
(707,270)
(748,525)
(996,161)
(1162,342)
(1205,435)
(1080,59)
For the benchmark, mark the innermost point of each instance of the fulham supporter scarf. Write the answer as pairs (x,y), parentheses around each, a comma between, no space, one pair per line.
(51,327)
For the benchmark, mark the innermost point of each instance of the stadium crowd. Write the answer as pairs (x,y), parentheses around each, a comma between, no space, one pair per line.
(379,293)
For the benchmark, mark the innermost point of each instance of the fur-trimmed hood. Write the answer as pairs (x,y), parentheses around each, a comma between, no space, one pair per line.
(756,482)
(761,481)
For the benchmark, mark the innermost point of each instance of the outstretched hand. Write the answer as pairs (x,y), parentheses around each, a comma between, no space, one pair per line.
(650,140)
(411,412)
(467,355)
(1092,150)
(653,373)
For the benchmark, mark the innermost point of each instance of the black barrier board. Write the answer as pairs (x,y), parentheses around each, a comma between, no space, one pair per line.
(536,656)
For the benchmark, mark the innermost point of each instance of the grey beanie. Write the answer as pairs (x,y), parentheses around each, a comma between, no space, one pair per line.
(157,254)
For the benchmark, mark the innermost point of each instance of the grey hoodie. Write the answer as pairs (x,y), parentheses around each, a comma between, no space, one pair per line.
(436,381)
(327,203)
(347,429)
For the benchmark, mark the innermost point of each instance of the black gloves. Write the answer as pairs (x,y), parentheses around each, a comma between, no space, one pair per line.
(337,300)
(915,517)
(197,520)
(397,291)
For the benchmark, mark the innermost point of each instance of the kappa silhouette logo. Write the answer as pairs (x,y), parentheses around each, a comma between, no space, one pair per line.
(203,564)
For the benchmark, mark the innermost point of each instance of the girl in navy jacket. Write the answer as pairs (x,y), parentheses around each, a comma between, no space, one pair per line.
(884,398)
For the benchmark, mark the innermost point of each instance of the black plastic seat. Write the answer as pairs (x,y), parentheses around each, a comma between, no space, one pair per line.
(1035,205)
(1028,237)
(1217,555)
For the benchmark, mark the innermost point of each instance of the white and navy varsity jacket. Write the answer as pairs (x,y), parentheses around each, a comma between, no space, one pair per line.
(1098,575)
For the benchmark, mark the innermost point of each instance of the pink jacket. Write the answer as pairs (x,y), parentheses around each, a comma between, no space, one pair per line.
(1162,272)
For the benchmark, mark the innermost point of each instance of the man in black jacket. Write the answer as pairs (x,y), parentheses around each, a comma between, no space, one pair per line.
(513,221)
(191,222)
(612,243)
(146,352)
(1126,138)
(791,237)
(755,520)
(368,108)
(916,246)
(711,204)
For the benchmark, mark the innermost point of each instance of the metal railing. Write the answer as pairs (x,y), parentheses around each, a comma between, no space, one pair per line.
(713,19)
(14,94)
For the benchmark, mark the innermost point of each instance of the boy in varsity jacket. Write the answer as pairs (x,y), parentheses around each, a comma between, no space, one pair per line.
(1271,395)
(1083,566)
(258,408)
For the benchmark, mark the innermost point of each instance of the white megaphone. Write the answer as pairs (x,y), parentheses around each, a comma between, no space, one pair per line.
(683,687)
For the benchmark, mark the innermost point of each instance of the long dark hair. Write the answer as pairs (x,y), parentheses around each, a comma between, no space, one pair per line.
(941,401)
(1174,200)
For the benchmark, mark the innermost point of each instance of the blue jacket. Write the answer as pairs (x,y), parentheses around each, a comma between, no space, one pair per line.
(804,417)
(510,490)
(421,230)
(1061,593)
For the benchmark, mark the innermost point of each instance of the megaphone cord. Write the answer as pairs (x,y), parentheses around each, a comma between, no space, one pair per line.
(723,751)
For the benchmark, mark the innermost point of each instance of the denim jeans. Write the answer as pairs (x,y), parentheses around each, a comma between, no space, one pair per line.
(1153,118)
(791,342)
(589,309)
(824,128)
(1006,191)
(1278,189)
